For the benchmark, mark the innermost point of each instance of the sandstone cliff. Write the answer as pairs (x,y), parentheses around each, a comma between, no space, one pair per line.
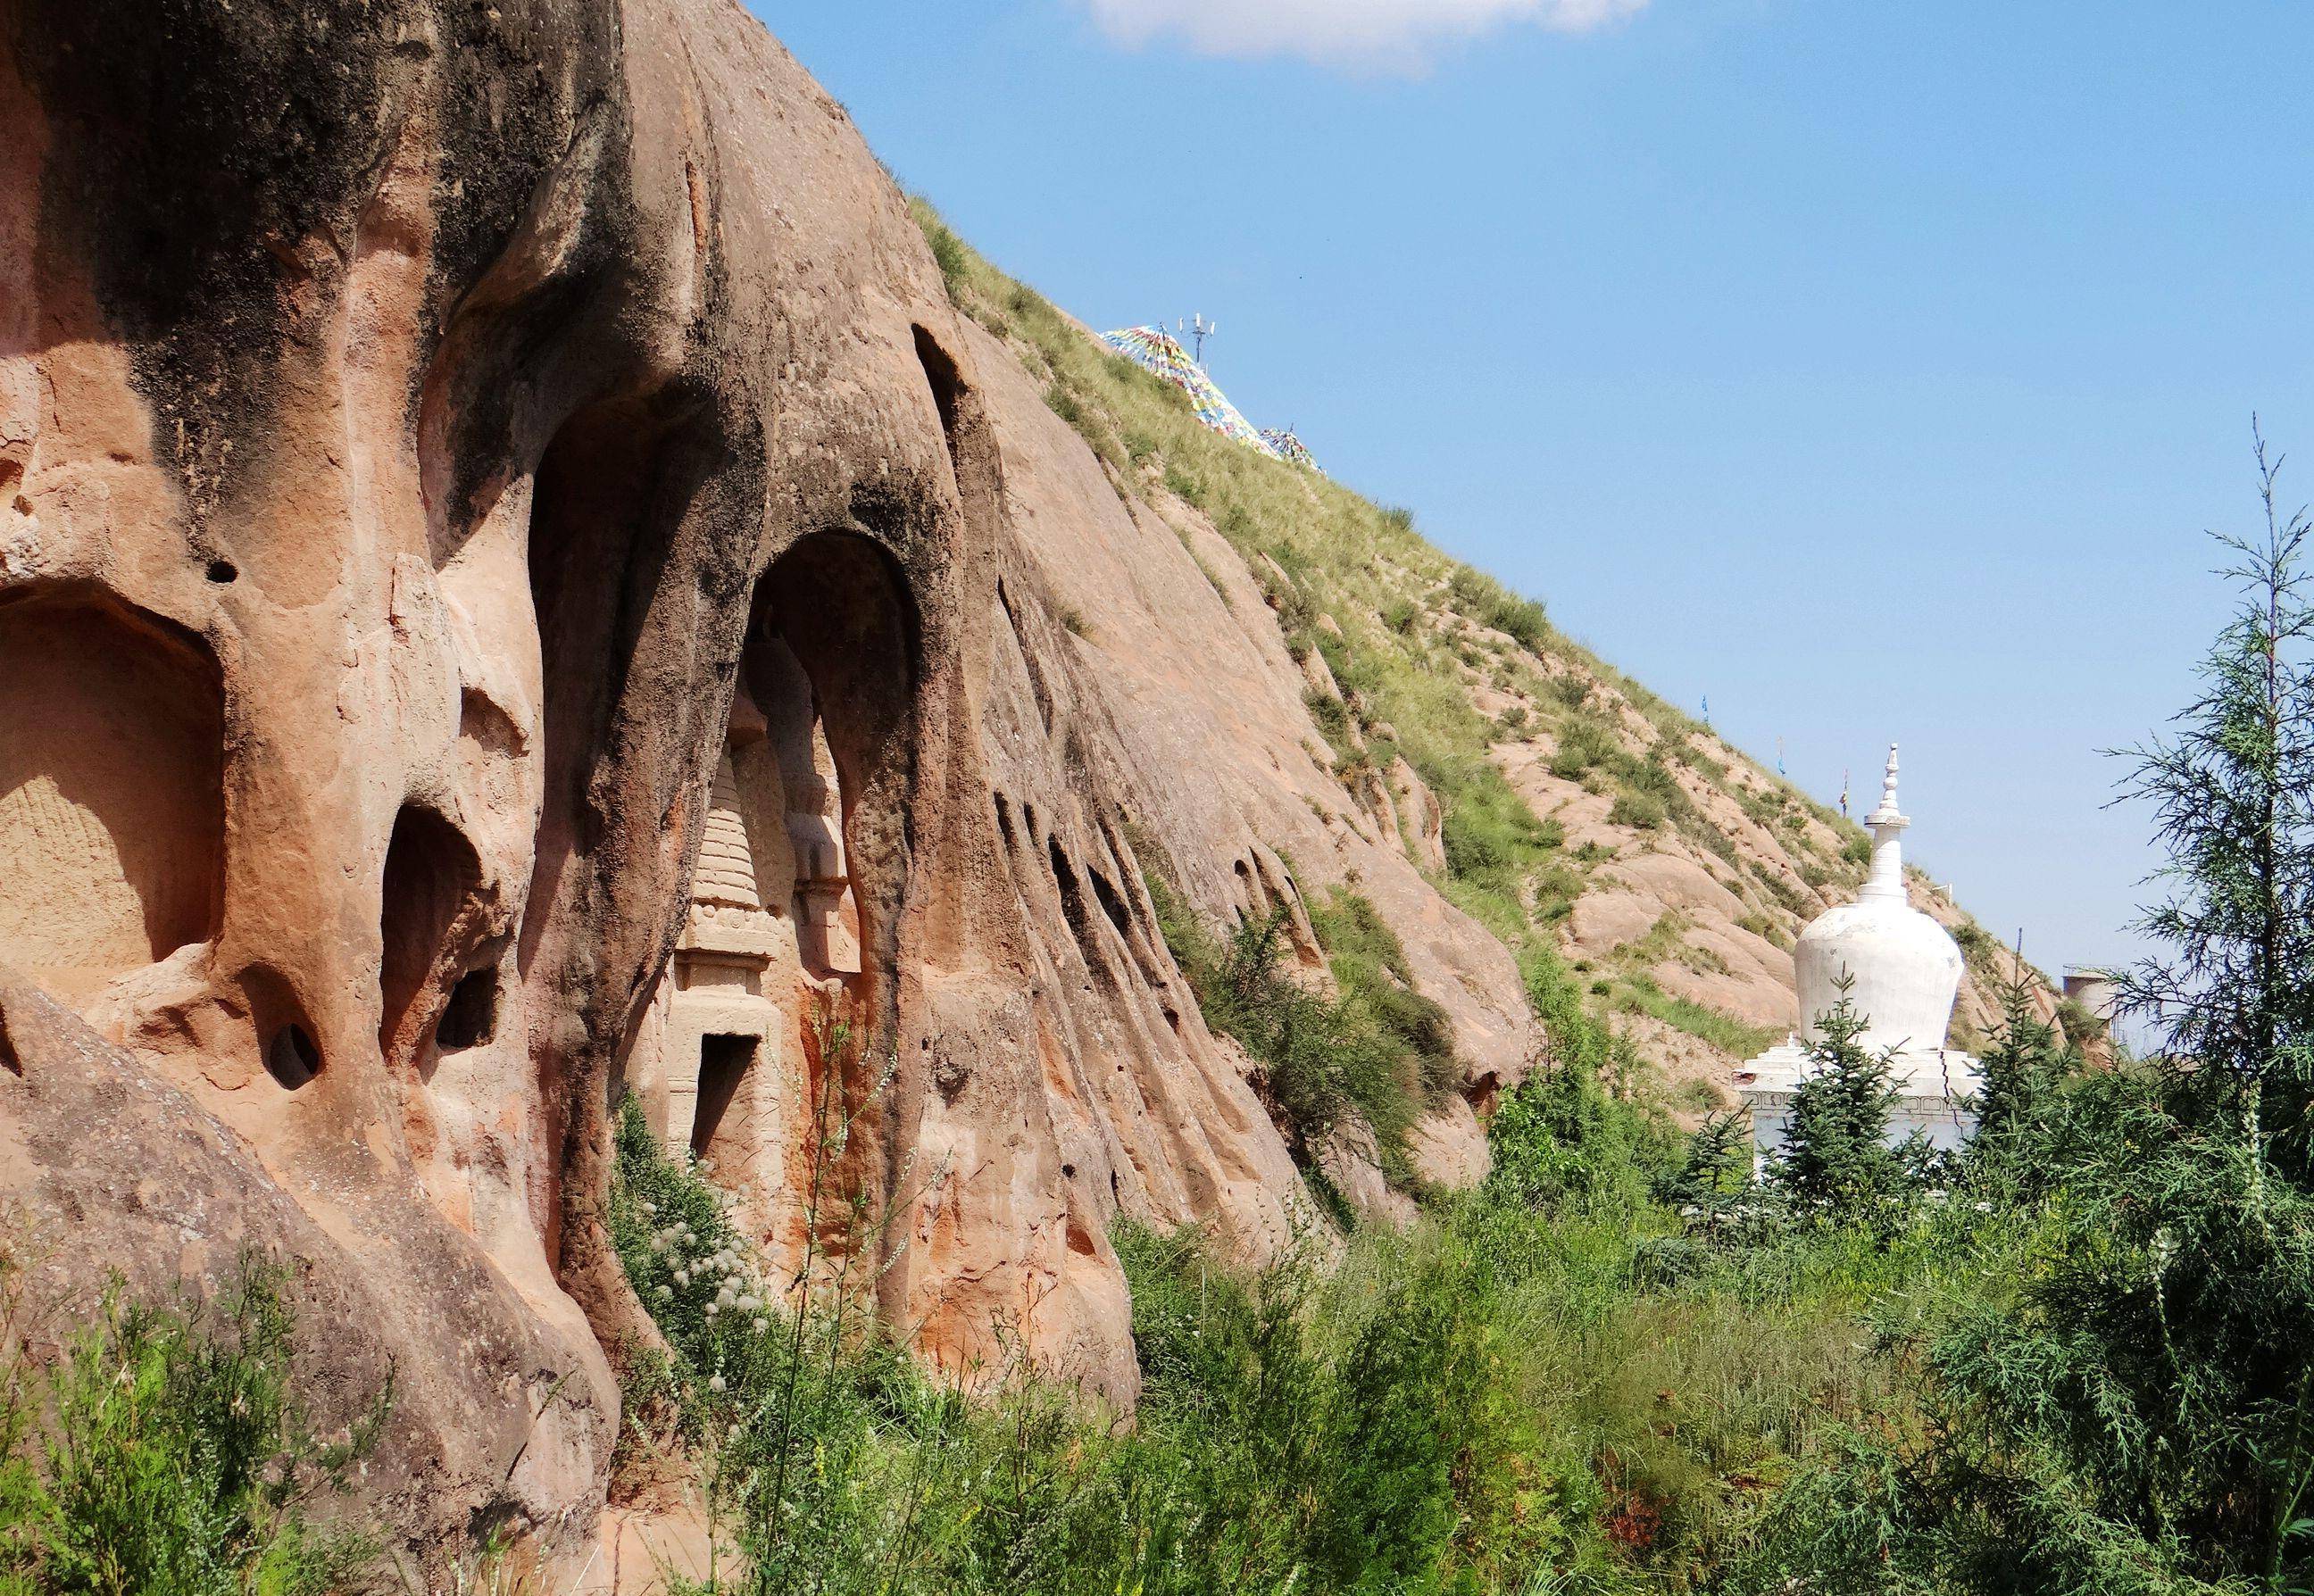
(460,468)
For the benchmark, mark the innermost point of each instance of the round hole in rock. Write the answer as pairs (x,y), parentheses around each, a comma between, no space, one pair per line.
(291,1058)
(222,572)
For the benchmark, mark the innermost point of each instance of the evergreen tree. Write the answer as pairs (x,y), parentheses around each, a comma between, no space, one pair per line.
(2141,1417)
(1836,1163)
(1711,1177)
(2022,1077)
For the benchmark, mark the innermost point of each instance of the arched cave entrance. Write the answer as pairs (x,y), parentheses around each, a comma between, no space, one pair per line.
(112,793)
(801,866)
(831,663)
(431,874)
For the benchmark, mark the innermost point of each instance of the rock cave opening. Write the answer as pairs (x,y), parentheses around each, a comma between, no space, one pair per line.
(801,864)
(610,495)
(430,871)
(291,1058)
(830,661)
(471,1017)
(1112,903)
(112,792)
(947,383)
(618,493)
(797,762)
(1072,909)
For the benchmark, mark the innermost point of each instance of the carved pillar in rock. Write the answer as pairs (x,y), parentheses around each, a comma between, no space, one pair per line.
(826,929)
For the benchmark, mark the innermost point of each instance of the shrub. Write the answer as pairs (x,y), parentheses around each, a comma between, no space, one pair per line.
(1836,1164)
(1561,1137)
(165,1452)
(1332,716)
(1369,964)
(1489,603)
(1637,810)
(1488,831)
(1295,614)
(2073,1017)
(1355,673)
(1583,744)
(1319,1059)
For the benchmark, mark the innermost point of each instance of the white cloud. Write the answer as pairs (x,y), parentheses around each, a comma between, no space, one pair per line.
(1374,32)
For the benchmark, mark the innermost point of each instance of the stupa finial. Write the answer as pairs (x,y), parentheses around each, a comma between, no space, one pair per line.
(1887,814)
(1885,880)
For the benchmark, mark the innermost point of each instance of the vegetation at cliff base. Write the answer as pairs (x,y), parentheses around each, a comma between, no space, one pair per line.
(163,1450)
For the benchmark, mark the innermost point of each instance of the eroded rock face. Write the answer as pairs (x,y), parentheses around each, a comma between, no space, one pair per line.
(460,466)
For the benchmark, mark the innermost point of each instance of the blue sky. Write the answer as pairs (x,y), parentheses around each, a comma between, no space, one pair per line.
(1872,370)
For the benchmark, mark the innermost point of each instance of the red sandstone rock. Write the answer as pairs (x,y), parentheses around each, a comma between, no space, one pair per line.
(433,447)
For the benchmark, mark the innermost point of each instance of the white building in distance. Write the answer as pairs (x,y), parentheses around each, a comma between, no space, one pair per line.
(1905,969)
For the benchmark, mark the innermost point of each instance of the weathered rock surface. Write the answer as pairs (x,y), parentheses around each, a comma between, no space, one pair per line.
(432,437)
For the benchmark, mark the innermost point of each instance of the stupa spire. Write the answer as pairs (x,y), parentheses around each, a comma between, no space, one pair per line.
(1886,881)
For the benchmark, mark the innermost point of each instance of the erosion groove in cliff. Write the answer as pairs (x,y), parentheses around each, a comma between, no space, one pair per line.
(527,584)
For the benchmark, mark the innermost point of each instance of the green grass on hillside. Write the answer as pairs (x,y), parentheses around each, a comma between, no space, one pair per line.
(1414,630)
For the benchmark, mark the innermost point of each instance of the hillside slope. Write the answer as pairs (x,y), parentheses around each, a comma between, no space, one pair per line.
(1622,853)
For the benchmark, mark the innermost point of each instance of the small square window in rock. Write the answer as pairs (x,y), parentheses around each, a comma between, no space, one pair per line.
(471,1017)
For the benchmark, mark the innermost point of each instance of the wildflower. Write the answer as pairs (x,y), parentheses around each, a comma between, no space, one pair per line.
(714,1382)
(759,1325)
(750,1302)
(666,1291)
(711,1310)
(683,1277)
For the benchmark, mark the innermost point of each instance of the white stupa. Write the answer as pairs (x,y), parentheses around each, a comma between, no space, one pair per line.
(1904,970)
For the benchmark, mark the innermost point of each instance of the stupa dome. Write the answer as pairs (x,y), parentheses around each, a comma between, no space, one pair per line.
(1904,968)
